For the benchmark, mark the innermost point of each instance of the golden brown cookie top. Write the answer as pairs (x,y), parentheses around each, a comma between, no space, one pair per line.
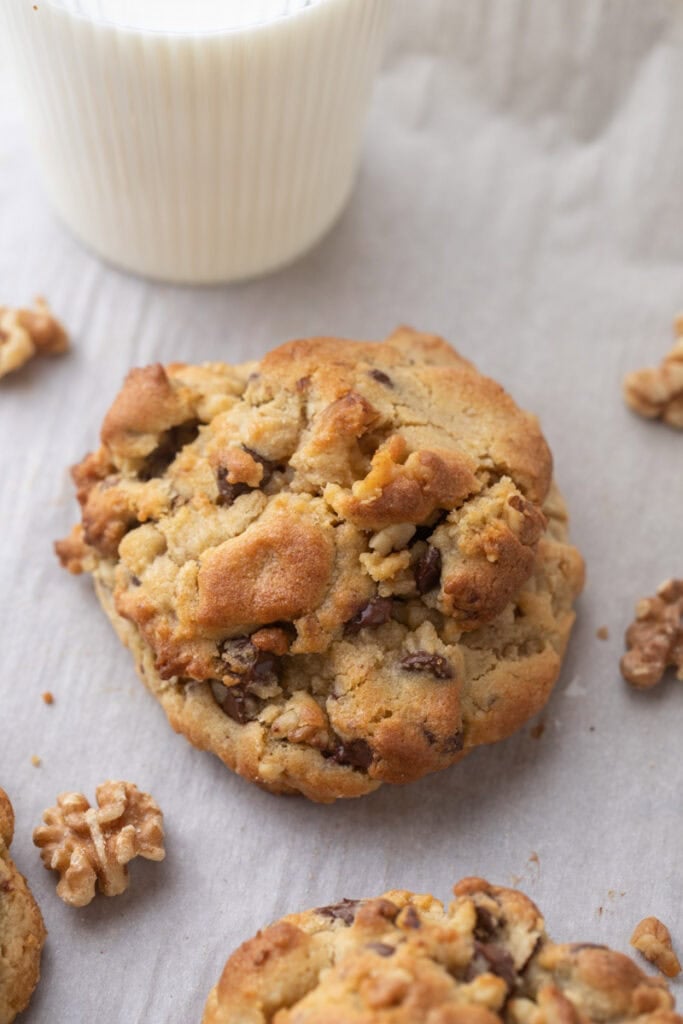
(405,959)
(373,507)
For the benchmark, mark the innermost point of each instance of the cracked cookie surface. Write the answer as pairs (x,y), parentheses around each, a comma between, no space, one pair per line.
(406,959)
(22,932)
(341,566)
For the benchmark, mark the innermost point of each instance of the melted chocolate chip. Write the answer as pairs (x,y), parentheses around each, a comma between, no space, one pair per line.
(423,661)
(170,445)
(411,918)
(233,700)
(374,613)
(494,959)
(427,570)
(381,948)
(303,383)
(6,885)
(244,661)
(228,492)
(354,754)
(486,924)
(454,743)
(135,581)
(344,911)
(382,378)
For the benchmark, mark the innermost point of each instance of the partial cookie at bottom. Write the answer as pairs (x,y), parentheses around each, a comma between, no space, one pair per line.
(406,959)
(22,931)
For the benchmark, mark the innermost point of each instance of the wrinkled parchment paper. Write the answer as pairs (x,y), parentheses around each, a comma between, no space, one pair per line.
(521,192)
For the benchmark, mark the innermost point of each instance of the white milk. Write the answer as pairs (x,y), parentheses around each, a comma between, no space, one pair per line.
(196,140)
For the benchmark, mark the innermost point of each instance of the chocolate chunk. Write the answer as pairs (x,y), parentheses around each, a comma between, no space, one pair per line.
(382,378)
(246,662)
(411,918)
(228,492)
(423,661)
(354,754)
(427,570)
(233,700)
(494,959)
(135,581)
(429,735)
(454,743)
(486,924)
(344,911)
(387,909)
(374,613)
(171,443)
(381,948)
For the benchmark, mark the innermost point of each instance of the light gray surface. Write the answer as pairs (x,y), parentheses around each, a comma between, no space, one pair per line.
(521,193)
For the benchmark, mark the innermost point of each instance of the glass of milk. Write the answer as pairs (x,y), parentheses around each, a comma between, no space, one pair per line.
(196,140)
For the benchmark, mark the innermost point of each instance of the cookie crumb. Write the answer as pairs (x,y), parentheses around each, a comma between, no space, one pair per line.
(48,698)
(655,637)
(653,939)
(657,393)
(602,633)
(36,761)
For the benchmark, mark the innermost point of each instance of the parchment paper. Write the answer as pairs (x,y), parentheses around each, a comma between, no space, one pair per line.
(521,193)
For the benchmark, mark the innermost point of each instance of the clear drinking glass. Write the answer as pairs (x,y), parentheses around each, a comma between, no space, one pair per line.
(196,140)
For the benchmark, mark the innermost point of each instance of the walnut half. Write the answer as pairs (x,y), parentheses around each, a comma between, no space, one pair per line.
(653,940)
(86,845)
(25,333)
(655,638)
(657,392)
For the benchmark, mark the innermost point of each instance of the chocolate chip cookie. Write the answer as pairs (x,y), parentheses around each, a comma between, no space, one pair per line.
(341,566)
(22,932)
(405,959)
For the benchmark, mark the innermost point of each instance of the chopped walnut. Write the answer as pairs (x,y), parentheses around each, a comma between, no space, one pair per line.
(86,845)
(653,940)
(657,392)
(655,638)
(25,333)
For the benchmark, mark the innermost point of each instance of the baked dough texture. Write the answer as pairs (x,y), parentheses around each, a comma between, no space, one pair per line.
(22,932)
(405,959)
(341,566)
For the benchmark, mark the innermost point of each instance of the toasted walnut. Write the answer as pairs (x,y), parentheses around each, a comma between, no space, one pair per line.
(657,392)
(86,844)
(25,333)
(655,638)
(653,940)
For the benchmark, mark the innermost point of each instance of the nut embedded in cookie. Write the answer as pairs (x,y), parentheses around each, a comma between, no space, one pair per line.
(344,565)
(22,931)
(93,845)
(484,959)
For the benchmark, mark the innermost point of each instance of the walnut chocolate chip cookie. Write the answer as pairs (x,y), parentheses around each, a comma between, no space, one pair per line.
(405,959)
(22,932)
(341,566)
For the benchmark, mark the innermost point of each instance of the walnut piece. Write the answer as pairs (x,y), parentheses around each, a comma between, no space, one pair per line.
(655,638)
(25,333)
(657,392)
(86,845)
(653,940)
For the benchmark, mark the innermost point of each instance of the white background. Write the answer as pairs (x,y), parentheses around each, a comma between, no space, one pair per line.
(521,193)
